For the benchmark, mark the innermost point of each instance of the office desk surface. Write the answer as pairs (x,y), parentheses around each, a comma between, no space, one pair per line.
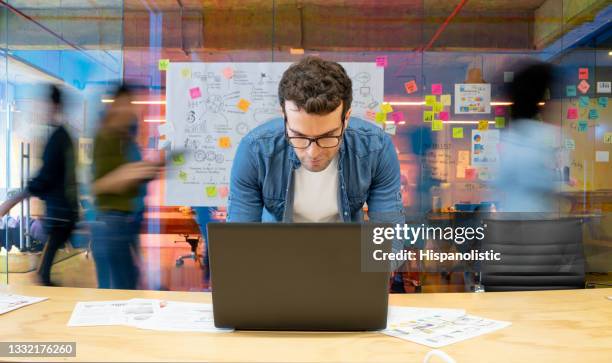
(547,326)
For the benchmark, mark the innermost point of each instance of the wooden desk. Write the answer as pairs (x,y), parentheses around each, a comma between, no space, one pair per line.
(548,326)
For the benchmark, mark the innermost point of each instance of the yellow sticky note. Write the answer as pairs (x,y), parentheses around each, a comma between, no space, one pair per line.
(186,73)
(225,142)
(457,132)
(438,107)
(436,125)
(386,108)
(211,191)
(483,125)
(243,104)
(430,100)
(608,138)
(381,117)
(182,175)
(445,100)
(428,116)
(500,122)
(163,64)
(178,159)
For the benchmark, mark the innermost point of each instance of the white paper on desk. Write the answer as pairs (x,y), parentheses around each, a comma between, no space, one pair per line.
(116,312)
(10,302)
(183,316)
(442,328)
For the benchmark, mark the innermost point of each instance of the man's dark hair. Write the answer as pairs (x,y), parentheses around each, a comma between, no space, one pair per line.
(316,86)
(528,89)
(56,97)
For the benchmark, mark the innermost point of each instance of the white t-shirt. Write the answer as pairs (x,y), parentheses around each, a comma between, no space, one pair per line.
(315,195)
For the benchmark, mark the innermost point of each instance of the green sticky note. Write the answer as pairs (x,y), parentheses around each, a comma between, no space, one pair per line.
(436,125)
(182,176)
(211,191)
(457,132)
(178,159)
(603,101)
(593,114)
(163,64)
(608,138)
(570,91)
(430,100)
(500,122)
(438,107)
(428,116)
(582,126)
(584,101)
(381,117)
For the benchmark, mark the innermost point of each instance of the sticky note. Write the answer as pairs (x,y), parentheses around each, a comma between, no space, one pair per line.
(390,129)
(457,132)
(243,105)
(382,61)
(211,191)
(228,72)
(583,73)
(186,73)
(604,87)
(386,108)
(593,114)
(223,191)
(500,111)
(608,138)
(470,173)
(572,113)
(582,126)
(436,125)
(584,101)
(570,144)
(225,142)
(381,117)
(570,91)
(163,64)
(182,176)
(445,100)
(500,122)
(438,107)
(602,156)
(436,89)
(430,100)
(428,116)
(178,159)
(483,125)
(583,86)
(443,116)
(371,114)
(603,101)
(195,93)
(411,87)
(397,116)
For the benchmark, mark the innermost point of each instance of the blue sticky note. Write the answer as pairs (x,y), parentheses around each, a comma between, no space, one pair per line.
(584,101)
(582,126)
(603,101)
(570,91)
(593,114)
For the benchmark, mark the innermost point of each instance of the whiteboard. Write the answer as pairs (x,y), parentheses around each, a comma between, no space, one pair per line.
(211,106)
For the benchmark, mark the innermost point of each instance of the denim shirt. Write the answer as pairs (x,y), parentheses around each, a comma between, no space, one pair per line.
(261,182)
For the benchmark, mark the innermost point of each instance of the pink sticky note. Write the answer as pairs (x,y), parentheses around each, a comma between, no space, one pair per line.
(411,87)
(499,111)
(228,72)
(195,93)
(436,89)
(572,113)
(223,191)
(371,114)
(397,116)
(470,173)
(382,61)
(444,116)
(583,73)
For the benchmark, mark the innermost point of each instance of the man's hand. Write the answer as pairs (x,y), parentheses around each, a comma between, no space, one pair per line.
(10,203)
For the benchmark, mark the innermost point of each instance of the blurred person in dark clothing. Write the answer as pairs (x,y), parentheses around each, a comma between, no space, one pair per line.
(56,185)
(119,178)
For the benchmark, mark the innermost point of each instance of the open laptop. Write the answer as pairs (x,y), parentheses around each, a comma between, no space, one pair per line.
(288,276)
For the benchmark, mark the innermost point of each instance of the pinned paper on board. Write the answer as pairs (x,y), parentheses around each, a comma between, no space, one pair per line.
(583,126)
(397,117)
(386,108)
(572,113)
(436,89)
(570,91)
(211,191)
(445,100)
(500,122)
(163,64)
(225,142)
(195,93)
(382,61)
(430,100)
(436,125)
(472,98)
(583,73)
(428,116)
(483,125)
(443,115)
(583,86)
(243,105)
(604,87)
(411,87)
(602,156)
(457,132)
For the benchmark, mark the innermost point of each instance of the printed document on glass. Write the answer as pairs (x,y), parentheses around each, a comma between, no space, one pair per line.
(10,302)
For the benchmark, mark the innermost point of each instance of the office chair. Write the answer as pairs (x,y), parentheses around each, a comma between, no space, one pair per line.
(536,254)
(194,255)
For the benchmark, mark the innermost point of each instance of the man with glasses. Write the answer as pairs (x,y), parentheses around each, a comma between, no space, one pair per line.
(318,164)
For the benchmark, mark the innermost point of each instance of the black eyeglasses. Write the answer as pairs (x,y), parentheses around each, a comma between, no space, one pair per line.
(303,142)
